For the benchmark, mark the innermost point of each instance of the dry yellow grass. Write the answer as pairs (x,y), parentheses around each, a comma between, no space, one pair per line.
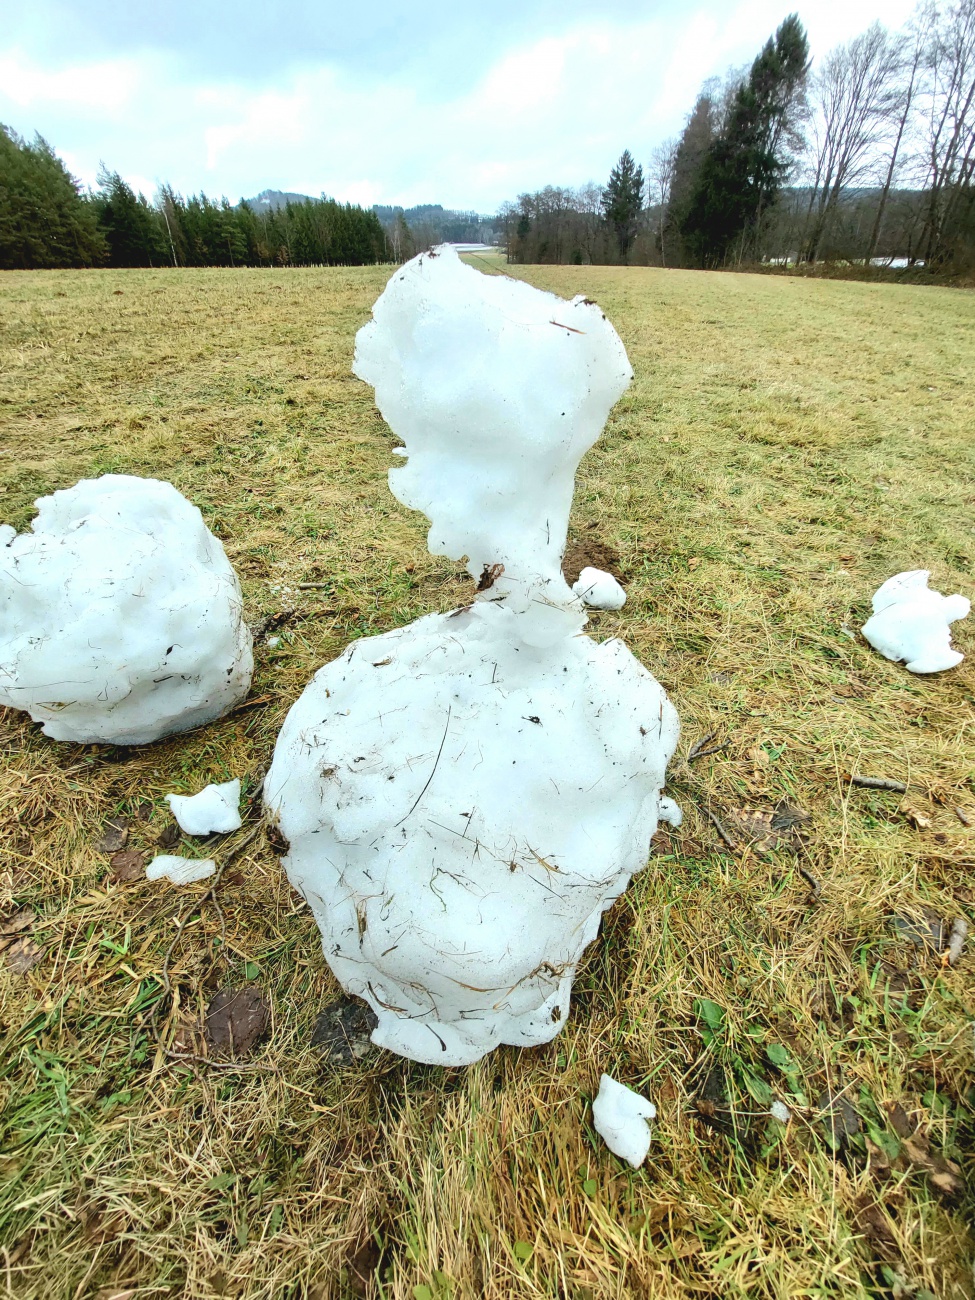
(786,446)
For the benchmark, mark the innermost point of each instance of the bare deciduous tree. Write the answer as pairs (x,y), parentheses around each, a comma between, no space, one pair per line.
(948,97)
(854,98)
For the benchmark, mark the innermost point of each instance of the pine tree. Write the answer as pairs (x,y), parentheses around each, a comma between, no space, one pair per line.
(44,221)
(133,231)
(745,165)
(622,201)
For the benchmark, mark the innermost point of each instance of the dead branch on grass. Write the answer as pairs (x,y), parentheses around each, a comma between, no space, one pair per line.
(877,783)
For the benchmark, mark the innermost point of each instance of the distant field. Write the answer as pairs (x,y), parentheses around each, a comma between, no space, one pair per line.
(786,446)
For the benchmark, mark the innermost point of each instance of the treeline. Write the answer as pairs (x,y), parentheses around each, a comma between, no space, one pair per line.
(868,157)
(47,221)
(412,230)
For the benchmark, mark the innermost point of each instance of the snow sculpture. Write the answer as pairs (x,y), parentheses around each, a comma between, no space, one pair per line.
(620,1116)
(911,623)
(121,619)
(599,589)
(181,871)
(465,796)
(215,810)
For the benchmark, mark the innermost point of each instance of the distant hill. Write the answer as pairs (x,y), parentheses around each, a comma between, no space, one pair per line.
(268,199)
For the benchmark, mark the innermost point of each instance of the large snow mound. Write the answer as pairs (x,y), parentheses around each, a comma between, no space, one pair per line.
(465,796)
(460,812)
(121,619)
(911,623)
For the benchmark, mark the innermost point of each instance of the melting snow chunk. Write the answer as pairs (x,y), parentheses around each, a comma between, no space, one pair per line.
(599,589)
(121,619)
(911,623)
(780,1111)
(215,810)
(669,812)
(181,871)
(620,1116)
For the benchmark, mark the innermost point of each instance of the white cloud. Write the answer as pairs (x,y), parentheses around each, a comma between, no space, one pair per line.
(555,110)
(95,89)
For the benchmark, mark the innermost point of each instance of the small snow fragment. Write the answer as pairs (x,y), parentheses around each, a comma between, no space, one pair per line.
(599,590)
(620,1116)
(670,813)
(780,1111)
(911,622)
(273,642)
(181,871)
(213,810)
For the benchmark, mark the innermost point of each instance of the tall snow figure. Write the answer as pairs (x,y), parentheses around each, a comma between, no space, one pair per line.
(465,796)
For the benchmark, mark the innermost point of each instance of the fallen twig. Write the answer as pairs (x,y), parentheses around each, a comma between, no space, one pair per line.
(700,747)
(963,817)
(314,586)
(878,783)
(956,942)
(810,880)
(719,827)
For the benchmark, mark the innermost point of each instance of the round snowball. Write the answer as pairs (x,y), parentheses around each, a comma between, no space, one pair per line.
(121,619)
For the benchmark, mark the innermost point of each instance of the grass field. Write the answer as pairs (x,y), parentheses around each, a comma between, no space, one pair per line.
(786,446)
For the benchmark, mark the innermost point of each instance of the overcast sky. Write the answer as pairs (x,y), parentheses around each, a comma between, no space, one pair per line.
(371,102)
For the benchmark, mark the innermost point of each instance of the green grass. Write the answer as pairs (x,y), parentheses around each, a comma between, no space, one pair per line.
(787,445)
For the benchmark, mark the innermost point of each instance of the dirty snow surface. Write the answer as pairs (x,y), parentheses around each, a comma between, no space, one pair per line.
(911,623)
(121,619)
(463,797)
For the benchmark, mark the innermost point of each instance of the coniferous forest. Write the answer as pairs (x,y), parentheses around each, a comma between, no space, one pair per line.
(47,221)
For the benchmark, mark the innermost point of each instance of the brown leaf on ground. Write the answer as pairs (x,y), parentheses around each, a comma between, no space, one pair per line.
(114,835)
(900,1121)
(766,829)
(787,816)
(128,865)
(236,1020)
(14,925)
(344,1029)
(842,1121)
(924,931)
(917,819)
(943,1175)
(754,826)
(872,1223)
(188,1036)
(169,836)
(23,955)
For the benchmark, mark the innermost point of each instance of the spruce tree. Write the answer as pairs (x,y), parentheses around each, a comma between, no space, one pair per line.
(44,221)
(133,231)
(744,167)
(622,201)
